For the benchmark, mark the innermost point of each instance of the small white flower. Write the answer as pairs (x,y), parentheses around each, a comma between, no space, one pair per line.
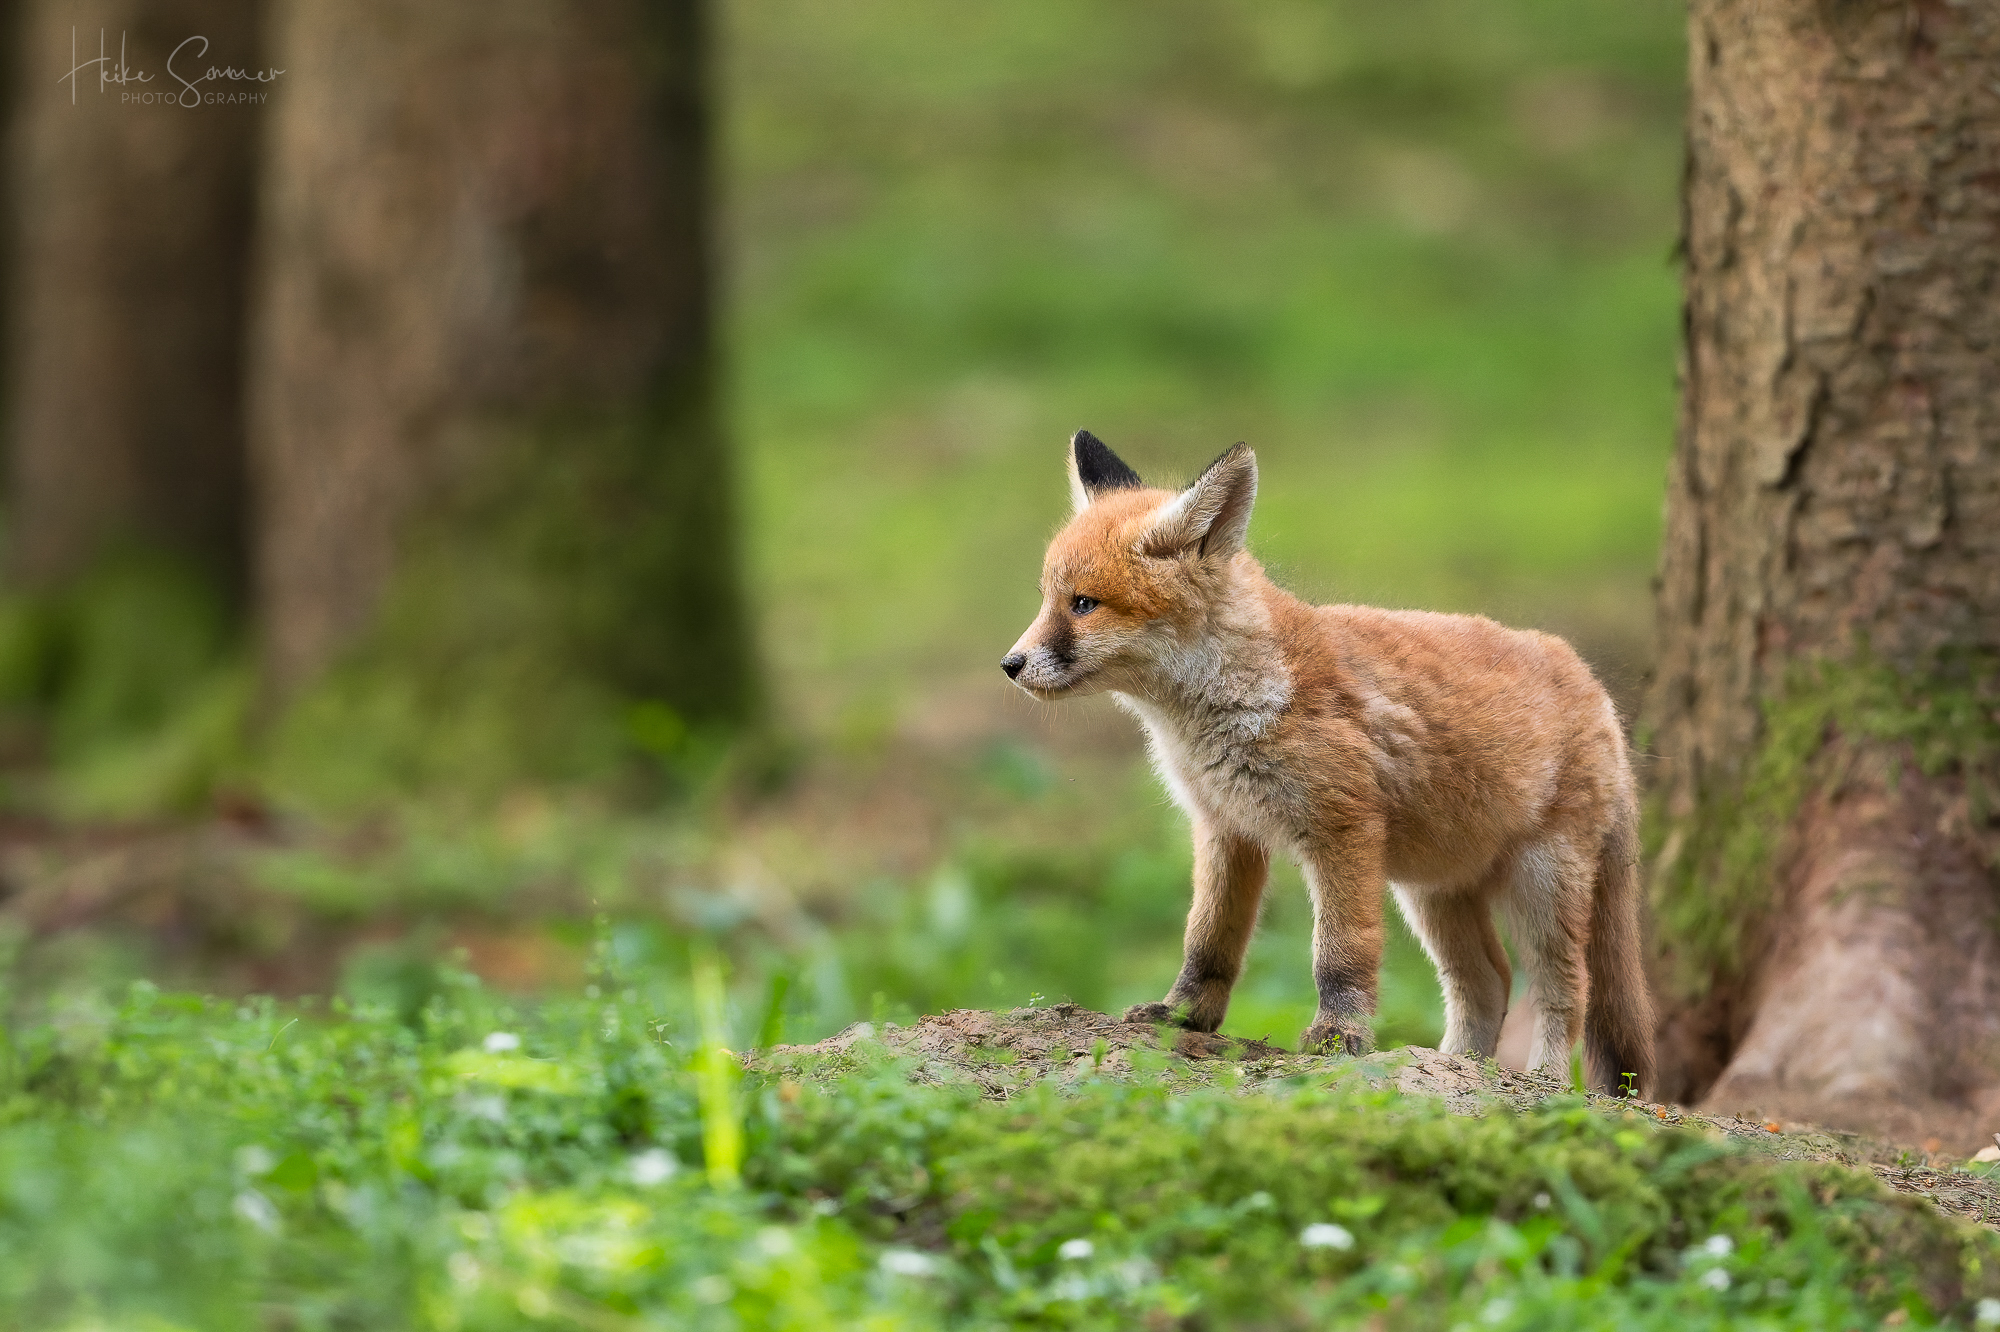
(908,1263)
(1715,1278)
(1071,1286)
(1986,1313)
(1137,1272)
(1076,1250)
(652,1166)
(1718,1246)
(258,1210)
(487,1107)
(1326,1235)
(500,1042)
(1542,1201)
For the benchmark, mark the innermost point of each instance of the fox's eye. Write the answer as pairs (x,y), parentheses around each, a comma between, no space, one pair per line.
(1081,605)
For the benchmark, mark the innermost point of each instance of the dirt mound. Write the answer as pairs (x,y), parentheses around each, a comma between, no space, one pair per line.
(1004,1053)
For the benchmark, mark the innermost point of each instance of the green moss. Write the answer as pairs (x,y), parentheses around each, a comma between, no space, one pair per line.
(1712,899)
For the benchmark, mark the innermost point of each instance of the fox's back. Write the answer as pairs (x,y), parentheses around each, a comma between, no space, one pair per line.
(1473,732)
(1513,688)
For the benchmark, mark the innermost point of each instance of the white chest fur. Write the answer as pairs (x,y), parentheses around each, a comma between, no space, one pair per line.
(1214,748)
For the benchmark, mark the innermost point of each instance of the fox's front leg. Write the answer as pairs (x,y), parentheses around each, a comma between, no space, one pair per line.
(1229,876)
(1345,877)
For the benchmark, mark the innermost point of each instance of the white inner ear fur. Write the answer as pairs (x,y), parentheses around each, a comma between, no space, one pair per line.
(1217,507)
(1079,498)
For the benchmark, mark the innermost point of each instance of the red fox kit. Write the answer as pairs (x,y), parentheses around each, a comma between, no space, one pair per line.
(1465,765)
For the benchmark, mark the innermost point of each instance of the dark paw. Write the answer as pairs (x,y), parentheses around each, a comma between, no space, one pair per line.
(1155,1013)
(1347,1038)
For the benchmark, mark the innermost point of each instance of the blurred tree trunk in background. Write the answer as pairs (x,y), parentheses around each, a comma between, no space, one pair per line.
(482,408)
(130,230)
(1825,711)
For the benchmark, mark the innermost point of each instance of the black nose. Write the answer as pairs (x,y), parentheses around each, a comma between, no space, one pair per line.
(1012,663)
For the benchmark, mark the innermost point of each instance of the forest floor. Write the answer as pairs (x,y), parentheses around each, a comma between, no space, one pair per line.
(1005,1054)
(489,1165)
(484,1089)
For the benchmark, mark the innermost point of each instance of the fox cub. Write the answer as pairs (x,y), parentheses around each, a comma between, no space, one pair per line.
(1465,765)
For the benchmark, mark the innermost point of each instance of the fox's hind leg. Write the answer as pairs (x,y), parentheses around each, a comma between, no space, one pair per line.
(1548,900)
(1229,877)
(1456,929)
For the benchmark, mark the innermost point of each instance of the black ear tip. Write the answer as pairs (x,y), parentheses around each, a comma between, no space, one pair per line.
(1097,466)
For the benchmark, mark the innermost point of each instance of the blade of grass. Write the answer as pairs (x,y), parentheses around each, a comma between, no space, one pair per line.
(771,1031)
(716,1073)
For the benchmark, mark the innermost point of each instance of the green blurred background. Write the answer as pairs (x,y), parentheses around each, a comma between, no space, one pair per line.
(1419,256)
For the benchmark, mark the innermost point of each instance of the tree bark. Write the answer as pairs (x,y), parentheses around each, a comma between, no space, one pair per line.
(484,326)
(1834,515)
(129,227)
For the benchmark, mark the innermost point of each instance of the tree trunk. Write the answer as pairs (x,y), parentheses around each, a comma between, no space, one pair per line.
(1825,708)
(482,400)
(129,227)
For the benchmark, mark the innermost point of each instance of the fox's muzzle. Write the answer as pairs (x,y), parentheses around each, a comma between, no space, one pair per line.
(1045,660)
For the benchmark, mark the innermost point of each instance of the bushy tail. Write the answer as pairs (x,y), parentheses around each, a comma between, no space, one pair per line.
(1618,1017)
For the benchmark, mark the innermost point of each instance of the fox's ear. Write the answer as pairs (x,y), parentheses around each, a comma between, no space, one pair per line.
(1211,516)
(1094,469)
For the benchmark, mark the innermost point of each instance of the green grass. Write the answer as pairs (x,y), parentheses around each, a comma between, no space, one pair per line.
(179,1163)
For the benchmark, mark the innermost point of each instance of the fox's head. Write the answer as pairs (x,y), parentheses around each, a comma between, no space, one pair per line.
(1135,577)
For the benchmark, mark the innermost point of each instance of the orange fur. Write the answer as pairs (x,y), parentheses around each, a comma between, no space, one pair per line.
(1466,765)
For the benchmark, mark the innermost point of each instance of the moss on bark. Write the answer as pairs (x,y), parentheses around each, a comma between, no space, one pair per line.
(561,613)
(1713,873)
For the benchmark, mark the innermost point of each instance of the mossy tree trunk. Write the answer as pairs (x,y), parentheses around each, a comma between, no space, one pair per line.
(1824,712)
(483,416)
(128,229)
